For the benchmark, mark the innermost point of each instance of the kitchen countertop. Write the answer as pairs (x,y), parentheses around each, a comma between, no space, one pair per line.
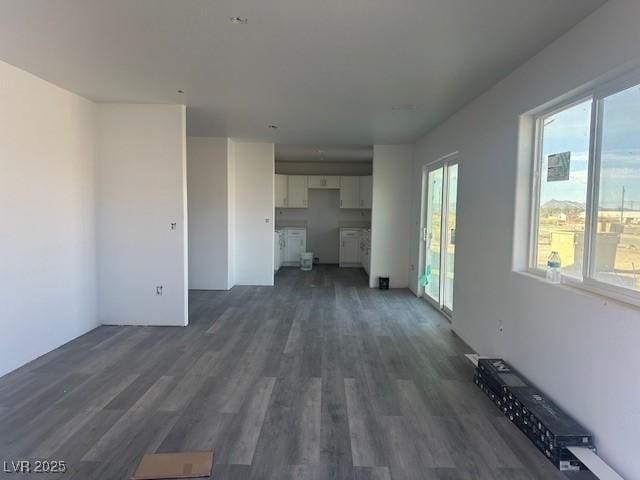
(291,224)
(303,224)
(362,225)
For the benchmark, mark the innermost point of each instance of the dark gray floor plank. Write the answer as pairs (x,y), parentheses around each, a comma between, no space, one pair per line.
(245,431)
(317,378)
(366,431)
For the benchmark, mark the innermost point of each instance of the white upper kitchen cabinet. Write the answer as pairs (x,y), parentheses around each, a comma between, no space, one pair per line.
(320,181)
(350,192)
(366,191)
(297,191)
(281,187)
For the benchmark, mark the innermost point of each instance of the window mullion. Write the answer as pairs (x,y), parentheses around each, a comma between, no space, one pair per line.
(535,195)
(444,220)
(593,183)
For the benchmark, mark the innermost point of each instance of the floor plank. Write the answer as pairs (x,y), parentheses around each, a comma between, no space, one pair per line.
(317,378)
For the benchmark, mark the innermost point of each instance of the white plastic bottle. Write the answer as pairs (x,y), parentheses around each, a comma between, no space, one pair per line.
(554,263)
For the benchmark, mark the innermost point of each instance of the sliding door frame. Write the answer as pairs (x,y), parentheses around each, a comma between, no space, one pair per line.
(445,163)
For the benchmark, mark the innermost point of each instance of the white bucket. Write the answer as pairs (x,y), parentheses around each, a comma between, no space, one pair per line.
(306,261)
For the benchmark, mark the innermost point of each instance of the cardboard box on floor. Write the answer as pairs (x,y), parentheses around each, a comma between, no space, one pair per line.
(160,466)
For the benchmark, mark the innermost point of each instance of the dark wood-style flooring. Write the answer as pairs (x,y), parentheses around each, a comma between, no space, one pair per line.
(317,378)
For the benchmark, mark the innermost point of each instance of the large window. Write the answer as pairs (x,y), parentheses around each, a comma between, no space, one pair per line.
(587,191)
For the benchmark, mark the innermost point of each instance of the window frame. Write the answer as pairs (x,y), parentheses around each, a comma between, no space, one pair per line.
(597,95)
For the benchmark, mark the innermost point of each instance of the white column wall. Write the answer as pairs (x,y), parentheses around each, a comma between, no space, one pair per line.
(141,178)
(391,214)
(208,213)
(254,211)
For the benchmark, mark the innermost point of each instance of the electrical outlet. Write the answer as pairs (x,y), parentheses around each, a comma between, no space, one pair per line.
(173,225)
(159,290)
(500,326)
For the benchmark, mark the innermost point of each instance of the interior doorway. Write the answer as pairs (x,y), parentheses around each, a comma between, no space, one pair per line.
(438,237)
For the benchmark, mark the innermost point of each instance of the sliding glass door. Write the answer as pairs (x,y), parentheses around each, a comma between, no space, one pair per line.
(450,235)
(432,234)
(440,194)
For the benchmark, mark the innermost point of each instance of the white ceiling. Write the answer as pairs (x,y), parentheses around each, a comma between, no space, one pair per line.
(325,71)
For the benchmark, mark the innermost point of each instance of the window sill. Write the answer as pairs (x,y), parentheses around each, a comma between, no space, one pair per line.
(594,290)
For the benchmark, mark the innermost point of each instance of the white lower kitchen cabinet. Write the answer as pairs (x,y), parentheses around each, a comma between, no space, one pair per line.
(350,247)
(283,248)
(365,250)
(296,244)
(279,250)
(276,251)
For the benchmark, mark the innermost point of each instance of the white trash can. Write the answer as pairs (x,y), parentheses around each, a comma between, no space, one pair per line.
(306,261)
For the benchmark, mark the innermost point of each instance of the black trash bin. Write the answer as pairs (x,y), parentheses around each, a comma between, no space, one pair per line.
(383,283)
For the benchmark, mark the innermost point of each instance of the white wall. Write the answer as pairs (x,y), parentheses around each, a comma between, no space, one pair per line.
(581,349)
(47,266)
(391,213)
(207,167)
(141,177)
(253,201)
